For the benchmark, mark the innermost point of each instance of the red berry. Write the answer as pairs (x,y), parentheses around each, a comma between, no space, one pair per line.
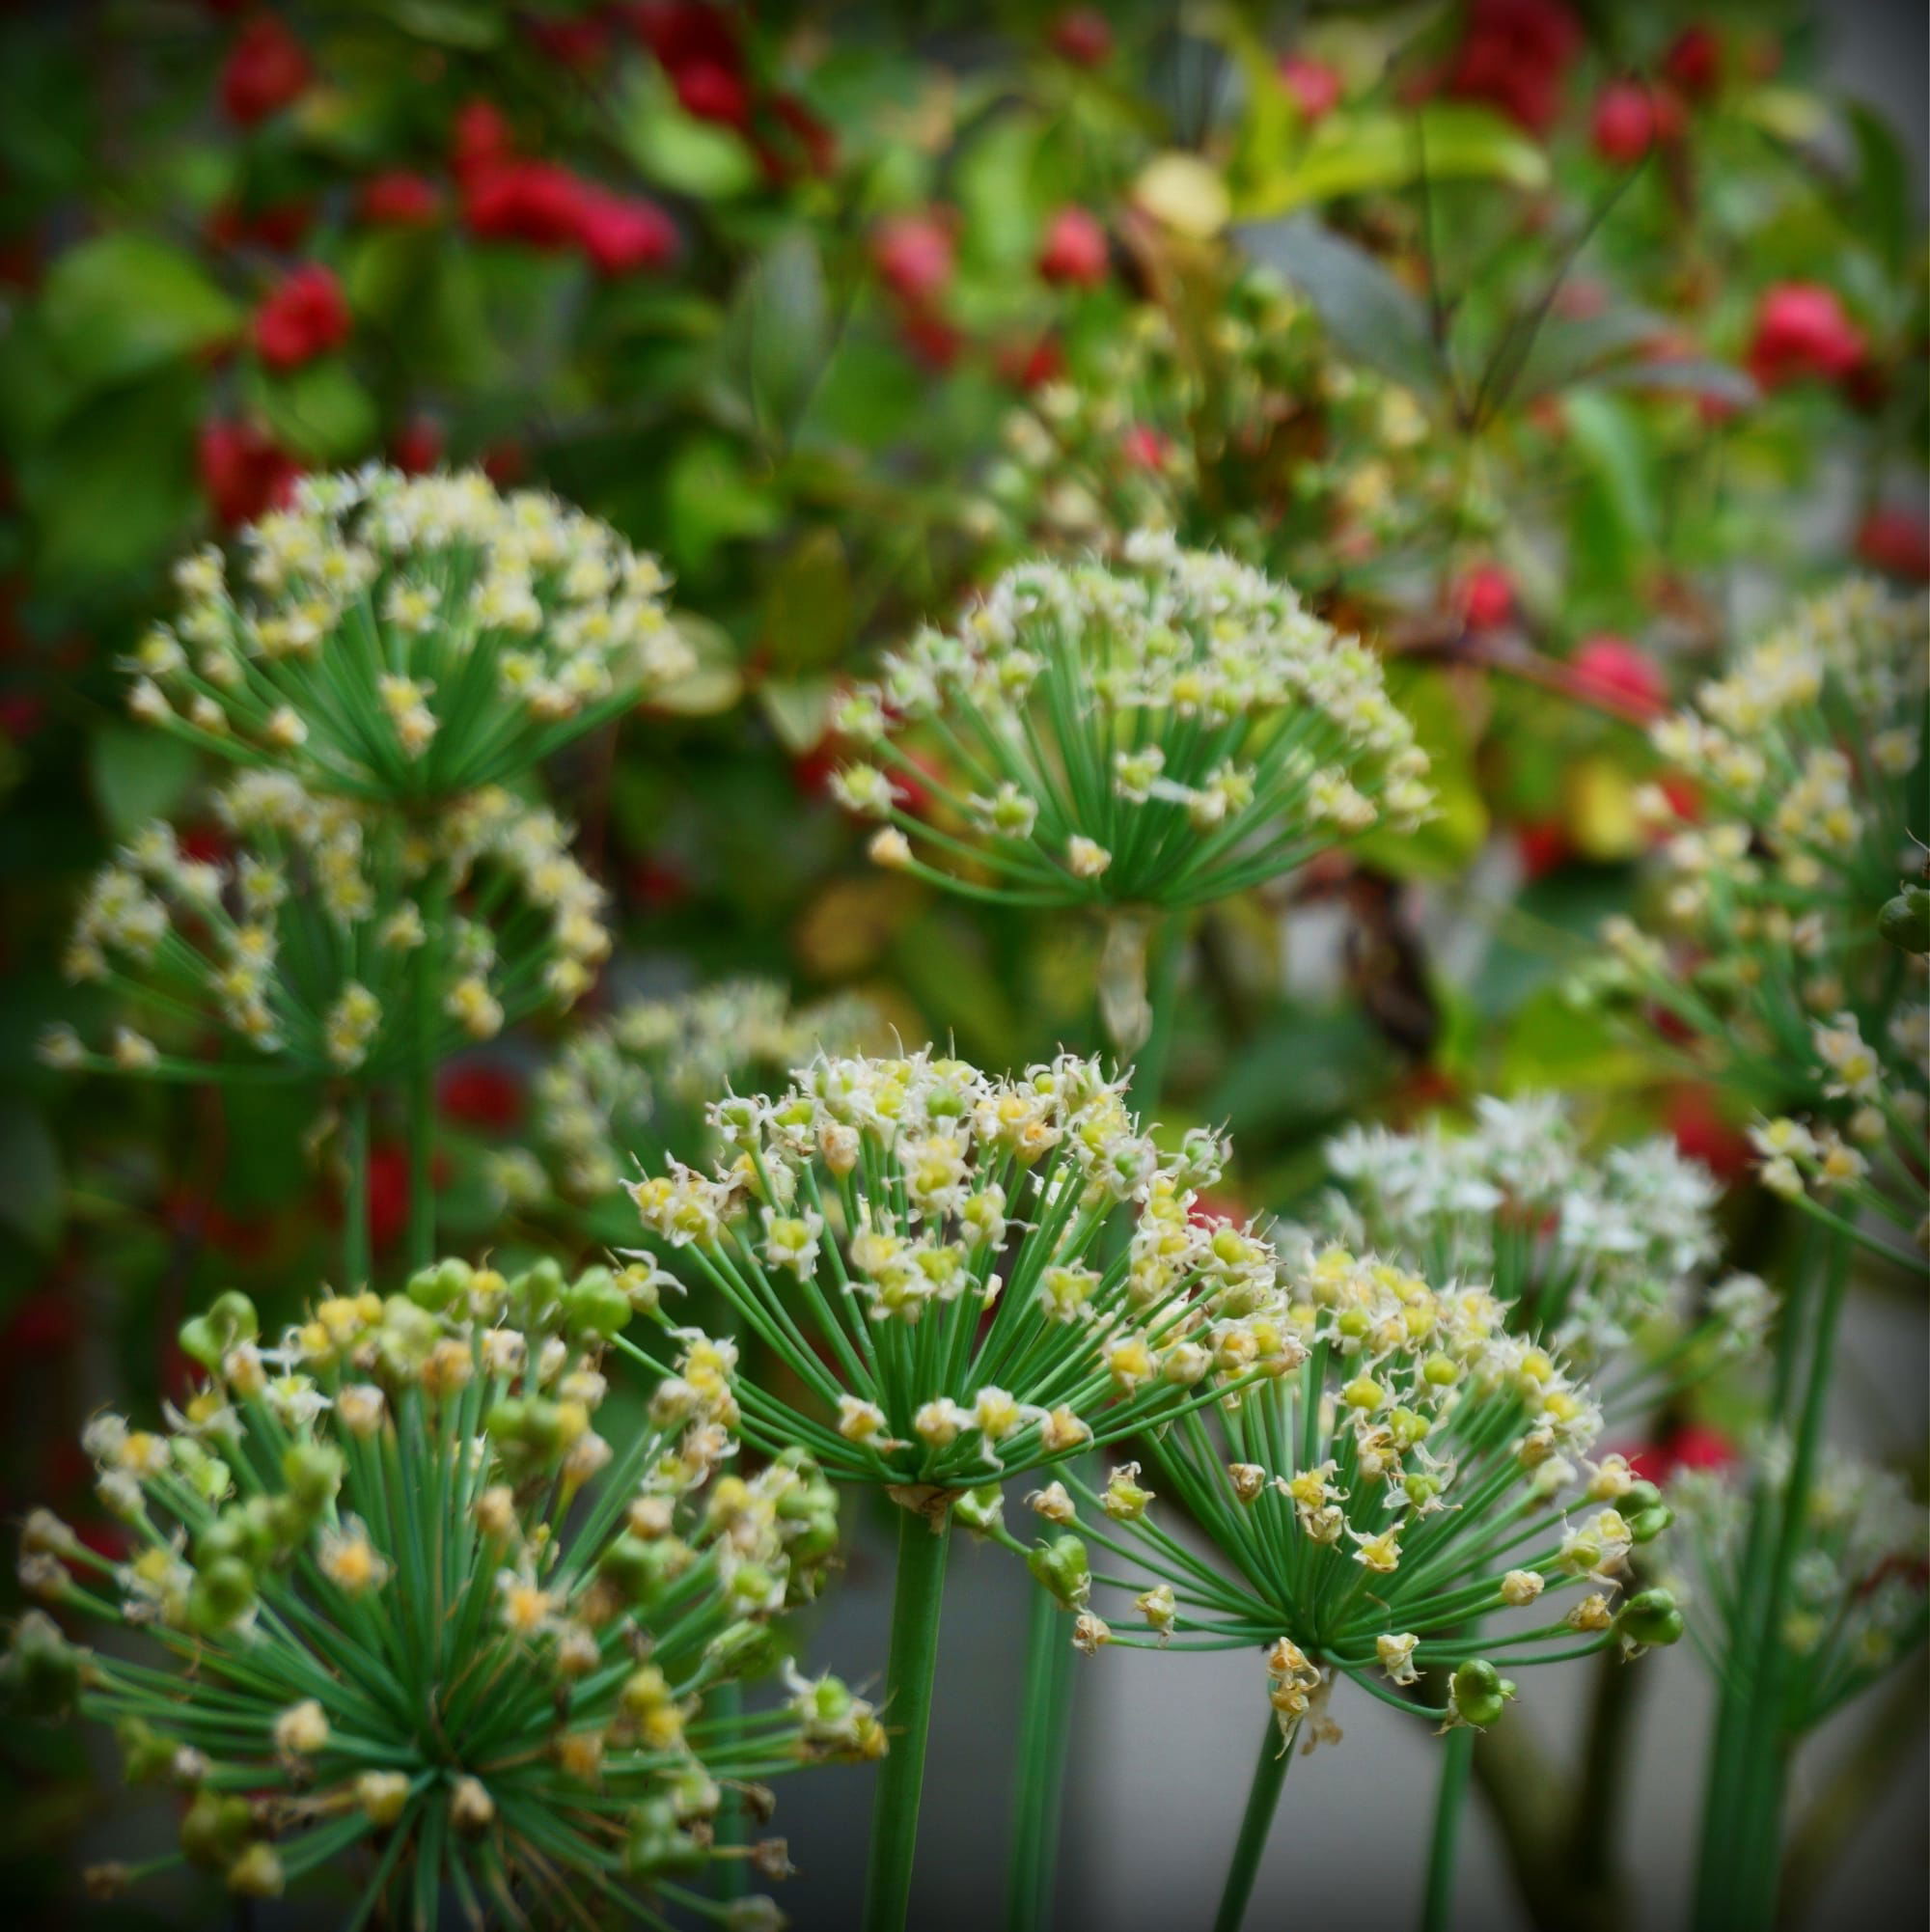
(1702,1133)
(1615,670)
(305,316)
(712,93)
(915,255)
(1896,541)
(1315,86)
(481,138)
(1083,36)
(621,236)
(267,68)
(1515,56)
(418,446)
(1694,62)
(1142,448)
(399,200)
(1074,251)
(1544,846)
(1624,124)
(242,473)
(1803,330)
(1486,597)
(481,1095)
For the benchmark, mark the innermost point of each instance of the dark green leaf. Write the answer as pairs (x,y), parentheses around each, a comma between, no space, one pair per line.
(30,1201)
(137,775)
(122,304)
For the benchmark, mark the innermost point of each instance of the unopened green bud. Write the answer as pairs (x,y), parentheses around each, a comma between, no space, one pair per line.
(595,1304)
(40,1676)
(981,1511)
(214,1829)
(1905,919)
(229,1321)
(1650,1618)
(439,1287)
(1060,1566)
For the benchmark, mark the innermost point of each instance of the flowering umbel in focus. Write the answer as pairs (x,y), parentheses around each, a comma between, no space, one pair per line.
(968,1277)
(1156,735)
(308,940)
(408,1606)
(1417,1470)
(401,638)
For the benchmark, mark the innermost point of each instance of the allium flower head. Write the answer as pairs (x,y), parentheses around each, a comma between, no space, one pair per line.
(409,1612)
(304,941)
(1422,1469)
(969,1277)
(1581,1249)
(1856,1604)
(409,638)
(1769,956)
(1156,733)
(638,1084)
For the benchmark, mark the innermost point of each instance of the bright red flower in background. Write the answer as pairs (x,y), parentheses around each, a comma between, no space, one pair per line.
(1688,1445)
(305,316)
(267,68)
(1803,330)
(1083,36)
(480,139)
(1074,251)
(1897,541)
(713,93)
(1515,56)
(915,255)
(280,227)
(622,233)
(417,447)
(1702,1133)
(1485,597)
(1029,365)
(243,471)
(399,200)
(536,202)
(1143,448)
(1625,123)
(1619,671)
(1694,62)
(482,1096)
(686,32)
(1315,86)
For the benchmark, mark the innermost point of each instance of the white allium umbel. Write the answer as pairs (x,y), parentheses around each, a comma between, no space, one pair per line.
(1583,1249)
(401,638)
(1158,732)
(1854,1604)
(1774,953)
(966,1277)
(304,941)
(1419,1470)
(396,1610)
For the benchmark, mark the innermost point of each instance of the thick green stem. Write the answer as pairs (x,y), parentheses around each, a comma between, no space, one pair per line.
(422,1096)
(1740,1859)
(918,1595)
(1045,1735)
(355,1267)
(730,1878)
(1045,1714)
(1263,1801)
(1457,1764)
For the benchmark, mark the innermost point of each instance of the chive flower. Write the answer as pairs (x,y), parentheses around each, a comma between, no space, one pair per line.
(1769,956)
(1156,733)
(638,1084)
(395,1609)
(331,938)
(1419,1469)
(965,1277)
(1855,1605)
(408,639)
(1588,1252)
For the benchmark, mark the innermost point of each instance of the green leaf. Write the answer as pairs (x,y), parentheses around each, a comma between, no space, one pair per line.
(710,499)
(1442,847)
(807,607)
(1882,197)
(777,334)
(31,1201)
(1614,526)
(472,24)
(1369,313)
(137,775)
(320,412)
(1375,151)
(1565,348)
(123,305)
(113,491)
(677,151)
(798,710)
(1690,376)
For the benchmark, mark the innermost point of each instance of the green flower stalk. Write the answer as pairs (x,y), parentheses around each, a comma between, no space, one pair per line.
(965,1278)
(408,640)
(409,1614)
(1773,962)
(1601,1256)
(304,945)
(1855,1549)
(1155,735)
(1414,1473)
